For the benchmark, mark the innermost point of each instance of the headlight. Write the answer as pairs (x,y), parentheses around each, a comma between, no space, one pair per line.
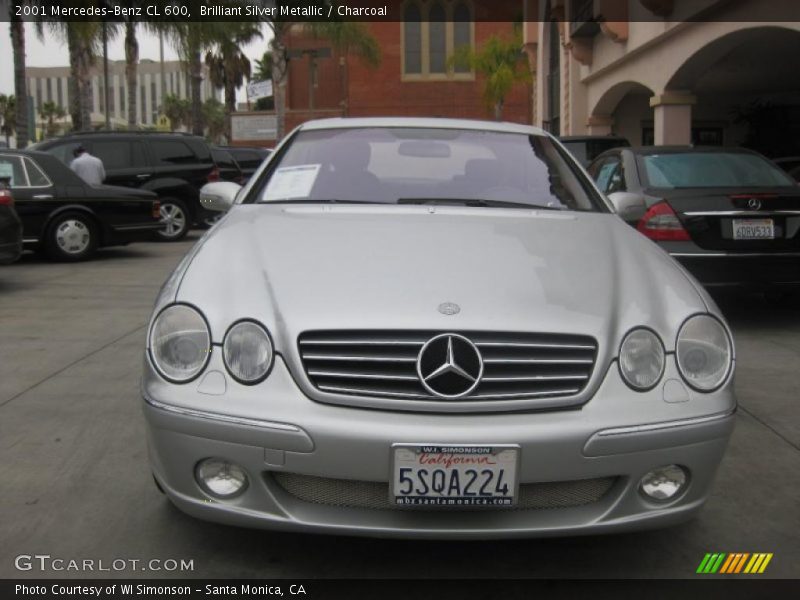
(641,359)
(704,353)
(247,351)
(180,343)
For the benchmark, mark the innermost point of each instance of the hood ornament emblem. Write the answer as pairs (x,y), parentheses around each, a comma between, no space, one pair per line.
(449,366)
(449,308)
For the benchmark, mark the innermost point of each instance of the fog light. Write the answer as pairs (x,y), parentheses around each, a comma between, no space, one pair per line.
(221,478)
(664,483)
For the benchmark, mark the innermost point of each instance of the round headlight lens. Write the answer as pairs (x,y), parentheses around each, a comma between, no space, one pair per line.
(641,359)
(180,343)
(247,352)
(704,353)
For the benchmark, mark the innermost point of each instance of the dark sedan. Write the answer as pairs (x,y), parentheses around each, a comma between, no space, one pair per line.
(69,219)
(730,216)
(10,225)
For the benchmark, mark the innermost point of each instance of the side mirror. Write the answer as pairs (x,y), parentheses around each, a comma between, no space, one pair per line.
(219,196)
(629,206)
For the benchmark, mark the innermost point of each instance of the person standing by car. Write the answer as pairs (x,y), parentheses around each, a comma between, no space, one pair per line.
(88,167)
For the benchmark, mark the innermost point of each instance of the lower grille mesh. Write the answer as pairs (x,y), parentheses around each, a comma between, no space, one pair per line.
(347,493)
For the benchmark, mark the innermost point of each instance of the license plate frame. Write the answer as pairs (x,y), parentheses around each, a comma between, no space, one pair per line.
(503,460)
(738,224)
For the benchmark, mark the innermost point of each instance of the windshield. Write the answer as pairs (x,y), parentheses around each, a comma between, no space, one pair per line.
(712,169)
(393,165)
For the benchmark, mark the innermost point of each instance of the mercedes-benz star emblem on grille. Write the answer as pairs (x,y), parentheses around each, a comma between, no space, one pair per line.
(754,204)
(449,308)
(449,365)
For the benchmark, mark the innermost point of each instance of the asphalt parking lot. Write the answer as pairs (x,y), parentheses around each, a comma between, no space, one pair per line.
(76,485)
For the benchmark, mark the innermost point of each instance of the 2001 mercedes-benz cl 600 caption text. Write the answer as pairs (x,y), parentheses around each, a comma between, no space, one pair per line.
(432,328)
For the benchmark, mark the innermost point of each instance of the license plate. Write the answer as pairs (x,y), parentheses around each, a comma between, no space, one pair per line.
(753,229)
(457,476)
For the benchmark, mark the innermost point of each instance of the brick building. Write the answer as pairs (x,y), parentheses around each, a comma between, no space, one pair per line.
(414,78)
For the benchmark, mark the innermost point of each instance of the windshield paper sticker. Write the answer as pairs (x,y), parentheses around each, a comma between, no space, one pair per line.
(291,182)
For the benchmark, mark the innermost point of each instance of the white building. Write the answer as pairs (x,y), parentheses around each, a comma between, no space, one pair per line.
(50,84)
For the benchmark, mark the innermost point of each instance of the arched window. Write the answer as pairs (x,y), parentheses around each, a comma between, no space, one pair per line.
(431,31)
(461,31)
(412,39)
(437,39)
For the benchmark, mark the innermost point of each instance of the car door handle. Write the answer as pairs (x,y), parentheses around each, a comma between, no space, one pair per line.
(142,176)
(43,197)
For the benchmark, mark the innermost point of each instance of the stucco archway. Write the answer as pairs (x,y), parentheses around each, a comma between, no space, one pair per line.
(742,88)
(623,109)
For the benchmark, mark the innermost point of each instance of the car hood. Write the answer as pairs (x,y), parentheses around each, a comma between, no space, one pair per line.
(308,267)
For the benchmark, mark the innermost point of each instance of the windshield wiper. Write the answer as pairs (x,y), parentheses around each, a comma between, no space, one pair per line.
(474,202)
(319,201)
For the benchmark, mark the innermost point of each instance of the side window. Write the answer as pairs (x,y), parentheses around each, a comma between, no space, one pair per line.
(602,173)
(609,175)
(224,159)
(36,176)
(617,181)
(12,171)
(115,155)
(64,152)
(138,158)
(170,153)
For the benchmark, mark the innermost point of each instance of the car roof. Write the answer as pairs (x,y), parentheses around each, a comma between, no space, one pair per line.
(424,122)
(647,150)
(26,152)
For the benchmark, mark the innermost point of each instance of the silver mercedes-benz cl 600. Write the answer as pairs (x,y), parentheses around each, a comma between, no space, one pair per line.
(432,328)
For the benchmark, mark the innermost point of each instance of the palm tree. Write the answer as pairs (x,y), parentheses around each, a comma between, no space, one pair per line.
(20,89)
(83,45)
(501,62)
(264,73)
(178,111)
(51,111)
(190,40)
(227,63)
(263,67)
(347,37)
(131,69)
(8,115)
(214,115)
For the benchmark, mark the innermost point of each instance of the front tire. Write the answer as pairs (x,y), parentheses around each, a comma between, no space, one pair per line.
(175,220)
(71,237)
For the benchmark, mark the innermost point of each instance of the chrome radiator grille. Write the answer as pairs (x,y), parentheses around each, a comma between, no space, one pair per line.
(347,493)
(383,364)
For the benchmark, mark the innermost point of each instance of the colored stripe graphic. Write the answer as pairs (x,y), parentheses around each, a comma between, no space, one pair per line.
(734,563)
(703,563)
(741,563)
(732,560)
(716,565)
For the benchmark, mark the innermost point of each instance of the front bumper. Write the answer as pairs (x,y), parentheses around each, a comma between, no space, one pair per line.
(273,428)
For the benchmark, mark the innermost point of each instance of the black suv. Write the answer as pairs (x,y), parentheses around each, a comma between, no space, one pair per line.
(173,165)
